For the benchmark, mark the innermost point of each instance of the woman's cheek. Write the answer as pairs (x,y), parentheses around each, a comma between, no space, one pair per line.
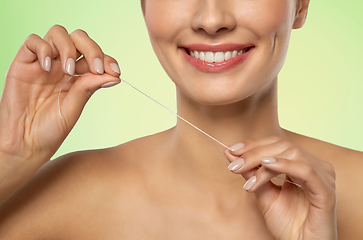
(271,17)
(165,20)
(272,25)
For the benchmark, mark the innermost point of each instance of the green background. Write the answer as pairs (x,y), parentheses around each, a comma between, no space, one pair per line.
(320,86)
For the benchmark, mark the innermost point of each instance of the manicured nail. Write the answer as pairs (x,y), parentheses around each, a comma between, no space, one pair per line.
(236,147)
(115,68)
(268,160)
(109,84)
(47,64)
(236,164)
(98,65)
(71,66)
(250,183)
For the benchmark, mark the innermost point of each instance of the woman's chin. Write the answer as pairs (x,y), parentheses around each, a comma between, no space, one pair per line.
(216,99)
(226,91)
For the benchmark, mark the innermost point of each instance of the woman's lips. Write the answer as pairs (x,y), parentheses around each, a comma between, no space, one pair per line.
(217,58)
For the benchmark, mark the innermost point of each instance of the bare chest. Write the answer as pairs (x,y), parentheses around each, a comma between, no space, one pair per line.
(148,223)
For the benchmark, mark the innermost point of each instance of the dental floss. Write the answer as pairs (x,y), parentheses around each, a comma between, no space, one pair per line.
(200,130)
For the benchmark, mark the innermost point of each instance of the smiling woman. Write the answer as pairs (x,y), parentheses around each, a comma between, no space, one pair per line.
(211,27)
(224,57)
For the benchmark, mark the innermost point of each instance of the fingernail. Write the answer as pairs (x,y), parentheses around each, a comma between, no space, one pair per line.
(47,64)
(98,65)
(250,183)
(71,66)
(236,147)
(268,160)
(115,68)
(109,84)
(236,164)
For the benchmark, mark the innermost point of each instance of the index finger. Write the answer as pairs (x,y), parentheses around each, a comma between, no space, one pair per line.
(240,148)
(90,50)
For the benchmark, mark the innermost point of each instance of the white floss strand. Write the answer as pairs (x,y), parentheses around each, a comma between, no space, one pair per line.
(200,130)
(181,118)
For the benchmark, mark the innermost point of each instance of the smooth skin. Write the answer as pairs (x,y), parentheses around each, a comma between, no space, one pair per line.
(174,184)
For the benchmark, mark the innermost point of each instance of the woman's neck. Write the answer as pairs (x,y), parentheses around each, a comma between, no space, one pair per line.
(201,157)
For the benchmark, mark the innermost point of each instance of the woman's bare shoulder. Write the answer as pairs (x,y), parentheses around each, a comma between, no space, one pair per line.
(71,185)
(347,162)
(326,151)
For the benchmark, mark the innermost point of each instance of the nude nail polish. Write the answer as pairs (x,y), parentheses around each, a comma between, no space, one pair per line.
(109,84)
(236,147)
(47,64)
(268,160)
(71,66)
(236,164)
(115,68)
(250,183)
(98,65)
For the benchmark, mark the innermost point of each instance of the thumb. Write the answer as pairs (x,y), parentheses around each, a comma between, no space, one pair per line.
(265,192)
(80,92)
(266,195)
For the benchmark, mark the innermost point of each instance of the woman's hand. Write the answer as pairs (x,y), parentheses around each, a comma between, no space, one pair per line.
(291,212)
(32,124)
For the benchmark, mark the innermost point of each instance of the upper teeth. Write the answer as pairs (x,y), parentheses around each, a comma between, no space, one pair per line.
(216,56)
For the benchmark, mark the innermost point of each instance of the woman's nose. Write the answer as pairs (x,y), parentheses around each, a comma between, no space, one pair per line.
(213,17)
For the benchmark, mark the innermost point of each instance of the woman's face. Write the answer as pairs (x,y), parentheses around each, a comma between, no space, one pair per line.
(222,51)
